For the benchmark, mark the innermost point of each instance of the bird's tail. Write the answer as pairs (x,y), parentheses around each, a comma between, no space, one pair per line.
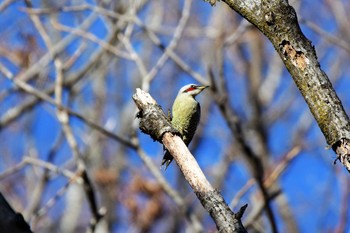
(167,158)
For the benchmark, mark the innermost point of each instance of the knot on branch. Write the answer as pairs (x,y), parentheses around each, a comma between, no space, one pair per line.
(270,18)
(342,148)
(152,118)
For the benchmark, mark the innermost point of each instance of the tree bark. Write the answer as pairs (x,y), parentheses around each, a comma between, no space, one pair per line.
(277,20)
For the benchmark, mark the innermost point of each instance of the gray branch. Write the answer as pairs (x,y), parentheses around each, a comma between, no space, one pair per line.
(277,20)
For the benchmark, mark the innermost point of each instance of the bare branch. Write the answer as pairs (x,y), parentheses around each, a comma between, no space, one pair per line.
(280,25)
(154,122)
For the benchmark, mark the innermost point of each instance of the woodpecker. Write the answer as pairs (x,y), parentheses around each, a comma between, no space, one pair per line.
(186,113)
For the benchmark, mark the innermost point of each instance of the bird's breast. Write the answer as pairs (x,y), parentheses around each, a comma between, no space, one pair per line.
(186,115)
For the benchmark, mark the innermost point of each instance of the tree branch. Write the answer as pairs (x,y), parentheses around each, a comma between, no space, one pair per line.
(277,20)
(154,122)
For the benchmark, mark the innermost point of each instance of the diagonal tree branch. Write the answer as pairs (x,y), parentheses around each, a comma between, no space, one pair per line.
(154,122)
(277,20)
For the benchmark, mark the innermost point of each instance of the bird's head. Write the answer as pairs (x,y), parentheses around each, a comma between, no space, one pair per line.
(191,89)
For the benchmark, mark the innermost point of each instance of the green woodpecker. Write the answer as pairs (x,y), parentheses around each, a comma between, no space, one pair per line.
(186,113)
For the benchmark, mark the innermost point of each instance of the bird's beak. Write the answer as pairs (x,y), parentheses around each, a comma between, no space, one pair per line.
(202,87)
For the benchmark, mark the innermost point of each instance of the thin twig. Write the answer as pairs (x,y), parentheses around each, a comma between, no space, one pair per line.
(89,36)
